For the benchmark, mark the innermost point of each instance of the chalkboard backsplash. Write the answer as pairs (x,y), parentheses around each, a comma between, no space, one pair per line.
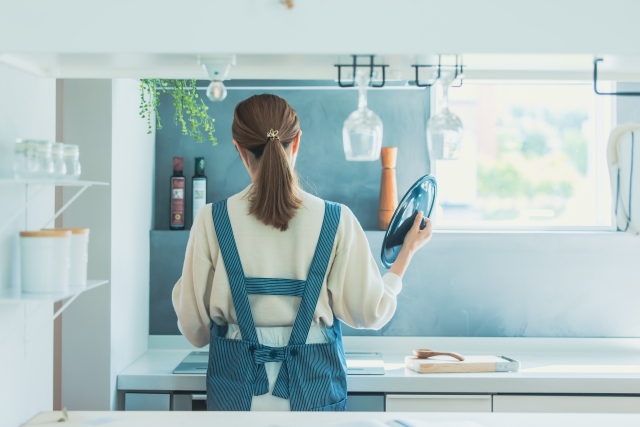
(321,164)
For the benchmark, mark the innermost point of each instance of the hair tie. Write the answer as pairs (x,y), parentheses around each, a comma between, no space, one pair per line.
(272,135)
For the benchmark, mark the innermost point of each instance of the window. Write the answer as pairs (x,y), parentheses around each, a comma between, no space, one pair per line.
(533,157)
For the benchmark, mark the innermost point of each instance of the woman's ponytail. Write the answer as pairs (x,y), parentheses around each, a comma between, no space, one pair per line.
(273,199)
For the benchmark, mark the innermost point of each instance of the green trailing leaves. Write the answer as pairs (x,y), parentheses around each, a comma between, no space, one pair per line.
(190,110)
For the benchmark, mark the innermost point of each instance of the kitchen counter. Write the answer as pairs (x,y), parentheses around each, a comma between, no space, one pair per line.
(259,419)
(548,366)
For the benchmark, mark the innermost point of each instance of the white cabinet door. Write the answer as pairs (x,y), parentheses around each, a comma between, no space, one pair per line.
(438,403)
(622,404)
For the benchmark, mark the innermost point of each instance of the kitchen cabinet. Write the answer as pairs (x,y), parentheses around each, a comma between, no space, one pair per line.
(189,402)
(438,403)
(575,404)
(365,402)
(147,402)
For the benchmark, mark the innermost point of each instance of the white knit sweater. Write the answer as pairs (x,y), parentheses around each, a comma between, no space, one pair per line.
(353,290)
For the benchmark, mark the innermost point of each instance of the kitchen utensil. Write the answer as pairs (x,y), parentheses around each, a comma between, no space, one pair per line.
(420,197)
(444,130)
(425,353)
(471,364)
(362,131)
(388,187)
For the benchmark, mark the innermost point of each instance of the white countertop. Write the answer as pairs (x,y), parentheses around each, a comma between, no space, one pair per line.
(328,419)
(568,366)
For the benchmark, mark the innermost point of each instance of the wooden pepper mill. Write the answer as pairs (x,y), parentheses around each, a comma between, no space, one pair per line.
(388,187)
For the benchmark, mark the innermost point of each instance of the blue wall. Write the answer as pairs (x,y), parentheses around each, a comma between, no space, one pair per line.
(487,284)
(321,164)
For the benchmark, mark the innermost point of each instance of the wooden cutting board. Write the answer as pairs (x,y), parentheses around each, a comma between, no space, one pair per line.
(447,365)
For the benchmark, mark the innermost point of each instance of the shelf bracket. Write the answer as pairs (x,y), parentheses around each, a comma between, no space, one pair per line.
(66,205)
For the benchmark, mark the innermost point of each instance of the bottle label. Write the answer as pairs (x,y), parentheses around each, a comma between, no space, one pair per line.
(177,202)
(199,195)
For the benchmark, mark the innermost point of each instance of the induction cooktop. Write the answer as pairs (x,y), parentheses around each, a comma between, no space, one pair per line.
(358,363)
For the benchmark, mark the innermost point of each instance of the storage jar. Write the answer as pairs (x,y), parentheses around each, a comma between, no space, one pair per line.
(79,255)
(45,260)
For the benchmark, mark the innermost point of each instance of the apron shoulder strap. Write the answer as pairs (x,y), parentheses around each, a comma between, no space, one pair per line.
(235,273)
(317,273)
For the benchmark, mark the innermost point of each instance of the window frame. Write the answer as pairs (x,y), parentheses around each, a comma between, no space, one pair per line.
(487,226)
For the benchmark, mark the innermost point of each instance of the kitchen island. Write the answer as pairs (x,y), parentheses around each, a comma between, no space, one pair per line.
(328,419)
(557,375)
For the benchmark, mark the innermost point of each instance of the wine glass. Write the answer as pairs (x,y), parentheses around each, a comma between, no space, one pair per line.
(444,130)
(362,131)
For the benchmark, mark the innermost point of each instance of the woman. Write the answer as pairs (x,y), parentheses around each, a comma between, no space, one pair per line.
(270,272)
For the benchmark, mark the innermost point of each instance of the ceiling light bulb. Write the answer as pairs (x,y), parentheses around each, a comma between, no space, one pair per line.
(216,91)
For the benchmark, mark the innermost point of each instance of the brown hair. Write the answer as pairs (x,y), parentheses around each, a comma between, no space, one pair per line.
(273,199)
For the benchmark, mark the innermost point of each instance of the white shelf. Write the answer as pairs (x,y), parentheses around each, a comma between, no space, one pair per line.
(15,295)
(41,185)
(55,182)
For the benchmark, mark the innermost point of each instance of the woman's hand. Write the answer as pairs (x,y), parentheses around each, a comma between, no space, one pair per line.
(414,240)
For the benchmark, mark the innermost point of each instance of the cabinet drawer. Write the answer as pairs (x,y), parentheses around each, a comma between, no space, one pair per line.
(147,402)
(438,403)
(621,404)
(357,402)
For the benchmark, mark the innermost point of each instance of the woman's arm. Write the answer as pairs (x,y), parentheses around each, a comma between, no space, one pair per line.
(189,293)
(359,295)
(414,240)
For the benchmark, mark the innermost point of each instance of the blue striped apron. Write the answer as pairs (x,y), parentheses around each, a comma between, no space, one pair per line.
(312,376)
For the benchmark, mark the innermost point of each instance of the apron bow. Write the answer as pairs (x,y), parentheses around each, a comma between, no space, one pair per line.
(264,354)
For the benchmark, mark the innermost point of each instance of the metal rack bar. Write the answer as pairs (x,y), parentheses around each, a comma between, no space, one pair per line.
(458,69)
(371,65)
(595,83)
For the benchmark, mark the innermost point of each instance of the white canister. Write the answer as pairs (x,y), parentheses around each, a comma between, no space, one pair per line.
(79,254)
(45,260)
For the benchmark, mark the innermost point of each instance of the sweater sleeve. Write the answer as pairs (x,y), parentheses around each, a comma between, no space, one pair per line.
(360,296)
(190,293)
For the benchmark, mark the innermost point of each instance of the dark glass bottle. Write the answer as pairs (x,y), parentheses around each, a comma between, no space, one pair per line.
(199,188)
(177,195)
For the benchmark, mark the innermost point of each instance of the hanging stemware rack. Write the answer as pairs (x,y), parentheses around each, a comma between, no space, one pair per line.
(355,65)
(595,83)
(458,69)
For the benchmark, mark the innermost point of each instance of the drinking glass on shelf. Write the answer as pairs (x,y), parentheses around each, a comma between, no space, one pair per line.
(444,130)
(44,160)
(362,131)
(59,165)
(72,161)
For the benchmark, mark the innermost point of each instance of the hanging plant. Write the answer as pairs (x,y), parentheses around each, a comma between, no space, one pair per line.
(191,111)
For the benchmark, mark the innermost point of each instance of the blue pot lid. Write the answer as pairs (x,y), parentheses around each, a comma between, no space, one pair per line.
(420,197)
